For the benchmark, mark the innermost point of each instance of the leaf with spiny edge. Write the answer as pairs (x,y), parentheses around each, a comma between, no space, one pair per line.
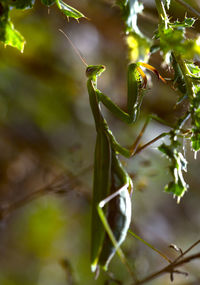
(68,10)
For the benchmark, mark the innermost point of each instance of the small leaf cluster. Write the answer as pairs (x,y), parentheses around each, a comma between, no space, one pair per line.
(173,38)
(9,35)
(195,107)
(178,164)
(138,43)
(179,52)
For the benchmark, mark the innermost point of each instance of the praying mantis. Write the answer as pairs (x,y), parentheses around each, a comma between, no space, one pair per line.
(112,185)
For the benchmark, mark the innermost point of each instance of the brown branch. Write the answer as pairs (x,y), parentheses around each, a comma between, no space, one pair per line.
(141,148)
(171,268)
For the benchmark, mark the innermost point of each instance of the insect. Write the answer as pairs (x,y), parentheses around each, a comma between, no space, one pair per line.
(111,180)
(112,186)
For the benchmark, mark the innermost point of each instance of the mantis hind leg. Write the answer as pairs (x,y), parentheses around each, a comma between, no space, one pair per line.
(117,231)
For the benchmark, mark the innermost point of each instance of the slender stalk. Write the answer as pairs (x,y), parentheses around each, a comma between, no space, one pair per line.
(188,7)
(161,11)
(139,149)
(151,246)
(185,72)
(171,267)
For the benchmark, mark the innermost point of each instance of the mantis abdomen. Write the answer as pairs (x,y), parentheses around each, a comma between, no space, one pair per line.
(118,212)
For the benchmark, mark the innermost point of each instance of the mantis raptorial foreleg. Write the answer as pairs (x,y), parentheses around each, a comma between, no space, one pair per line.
(129,152)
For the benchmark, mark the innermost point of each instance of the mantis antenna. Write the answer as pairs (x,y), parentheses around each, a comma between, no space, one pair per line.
(74,47)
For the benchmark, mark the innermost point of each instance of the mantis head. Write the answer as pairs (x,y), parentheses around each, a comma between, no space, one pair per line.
(94,70)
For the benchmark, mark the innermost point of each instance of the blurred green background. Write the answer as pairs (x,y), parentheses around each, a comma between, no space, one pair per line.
(47,139)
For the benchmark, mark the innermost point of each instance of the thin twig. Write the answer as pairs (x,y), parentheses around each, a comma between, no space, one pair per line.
(190,8)
(171,267)
(139,149)
(62,183)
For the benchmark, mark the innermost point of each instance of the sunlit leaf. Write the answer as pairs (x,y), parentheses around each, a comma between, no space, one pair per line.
(12,37)
(68,10)
(139,47)
(173,39)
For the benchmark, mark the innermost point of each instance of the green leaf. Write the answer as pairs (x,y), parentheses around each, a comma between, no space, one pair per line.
(187,23)
(166,150)
(48,2)
(21,4)
(176,188)
(195,140)
(194,69)
(178,164)
(173,39)
(12,37)
(68,10)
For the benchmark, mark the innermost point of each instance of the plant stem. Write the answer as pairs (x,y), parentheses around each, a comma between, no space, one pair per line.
(188,7)
(161,11)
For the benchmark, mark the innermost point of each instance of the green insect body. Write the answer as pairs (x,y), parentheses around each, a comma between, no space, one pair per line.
(118,212)
(109,174)
(112,186)
(134,97)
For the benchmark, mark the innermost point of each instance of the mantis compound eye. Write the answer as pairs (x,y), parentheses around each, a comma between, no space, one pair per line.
(89,71)
(94,70)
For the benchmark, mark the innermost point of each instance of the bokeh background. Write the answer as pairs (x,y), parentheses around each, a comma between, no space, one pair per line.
(47,140)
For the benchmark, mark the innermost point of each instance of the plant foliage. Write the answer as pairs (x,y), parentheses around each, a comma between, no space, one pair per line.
(9,35)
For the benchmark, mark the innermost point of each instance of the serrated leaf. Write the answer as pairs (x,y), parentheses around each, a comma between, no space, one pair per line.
(173,39)
(12,37)
(48,2)
(68,10)
(187,23)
